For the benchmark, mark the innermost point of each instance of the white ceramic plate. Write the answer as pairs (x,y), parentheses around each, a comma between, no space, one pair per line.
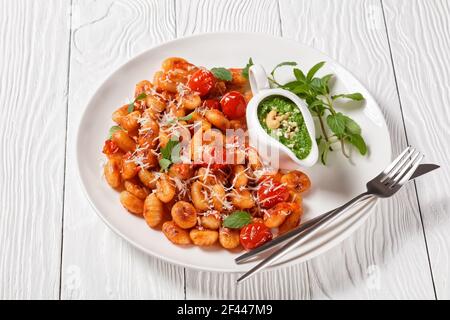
(332,185)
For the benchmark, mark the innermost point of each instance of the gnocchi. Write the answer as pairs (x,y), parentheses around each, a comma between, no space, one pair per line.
(132,203)
(203,237)
(175,234)
(184,214)
(228,238)
(165,190)
(189,195)
(111,171)
(153,210)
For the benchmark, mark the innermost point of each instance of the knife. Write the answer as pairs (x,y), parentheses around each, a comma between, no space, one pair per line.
(421,170)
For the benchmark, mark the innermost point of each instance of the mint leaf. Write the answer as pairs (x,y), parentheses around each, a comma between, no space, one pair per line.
(358,141)
(299,75)
(316,86)
(245,70)
(314,70)
(112,130)
(351,126)
(337,122)
(324,82)
(164,164)
(324,147)
(222,74)
(237,220)
(286,63)
(317,107)
(352,96)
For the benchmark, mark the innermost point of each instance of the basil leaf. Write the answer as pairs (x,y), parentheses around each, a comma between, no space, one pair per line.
(237,220)
(164,164)
(337,122)
(245,70)
(139,97)
(112,130)
(186,118)
(314,70)
(222,74)
(166,152)
(352,96)
(358,141)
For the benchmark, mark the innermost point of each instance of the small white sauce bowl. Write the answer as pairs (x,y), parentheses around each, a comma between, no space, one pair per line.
(273,152)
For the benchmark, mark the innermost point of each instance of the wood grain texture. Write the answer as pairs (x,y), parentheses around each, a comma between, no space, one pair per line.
(252,16)
(198,16)
(387,257)
(96,262)
(33,81)
(420,43)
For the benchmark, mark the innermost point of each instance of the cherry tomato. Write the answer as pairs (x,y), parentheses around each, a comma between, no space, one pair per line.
(202,81)
(209,156)
(233,105)
(211,104)
(254,235)
(275,176)
(110,147)
(271,192)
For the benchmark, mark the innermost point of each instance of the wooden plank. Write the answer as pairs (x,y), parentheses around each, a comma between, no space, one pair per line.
(253,16)
(387,257)
(33,80)
(96,262)
(420,43)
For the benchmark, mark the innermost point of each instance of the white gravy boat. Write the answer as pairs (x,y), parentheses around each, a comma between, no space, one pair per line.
(273,152)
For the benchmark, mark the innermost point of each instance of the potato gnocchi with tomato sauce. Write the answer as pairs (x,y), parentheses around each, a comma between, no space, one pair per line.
(192,198)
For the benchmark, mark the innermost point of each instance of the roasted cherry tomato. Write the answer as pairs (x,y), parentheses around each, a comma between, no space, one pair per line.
(233,105)
(271,192)
(254,235)
(202,81)
(211,104)
(210,157)
(275,176)
(110,147)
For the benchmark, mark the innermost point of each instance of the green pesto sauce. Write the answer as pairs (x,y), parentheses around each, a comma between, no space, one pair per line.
(292,131)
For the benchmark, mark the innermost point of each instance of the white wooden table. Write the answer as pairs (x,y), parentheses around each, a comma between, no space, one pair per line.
(55,53)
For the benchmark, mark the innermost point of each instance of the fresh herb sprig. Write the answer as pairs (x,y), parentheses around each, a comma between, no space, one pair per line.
(237,220)
(245,70)
(141,96)
(112,130)
(222,74)
(316,92)
(170,153)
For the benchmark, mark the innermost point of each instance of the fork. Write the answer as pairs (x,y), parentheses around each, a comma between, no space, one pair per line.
(384,185)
